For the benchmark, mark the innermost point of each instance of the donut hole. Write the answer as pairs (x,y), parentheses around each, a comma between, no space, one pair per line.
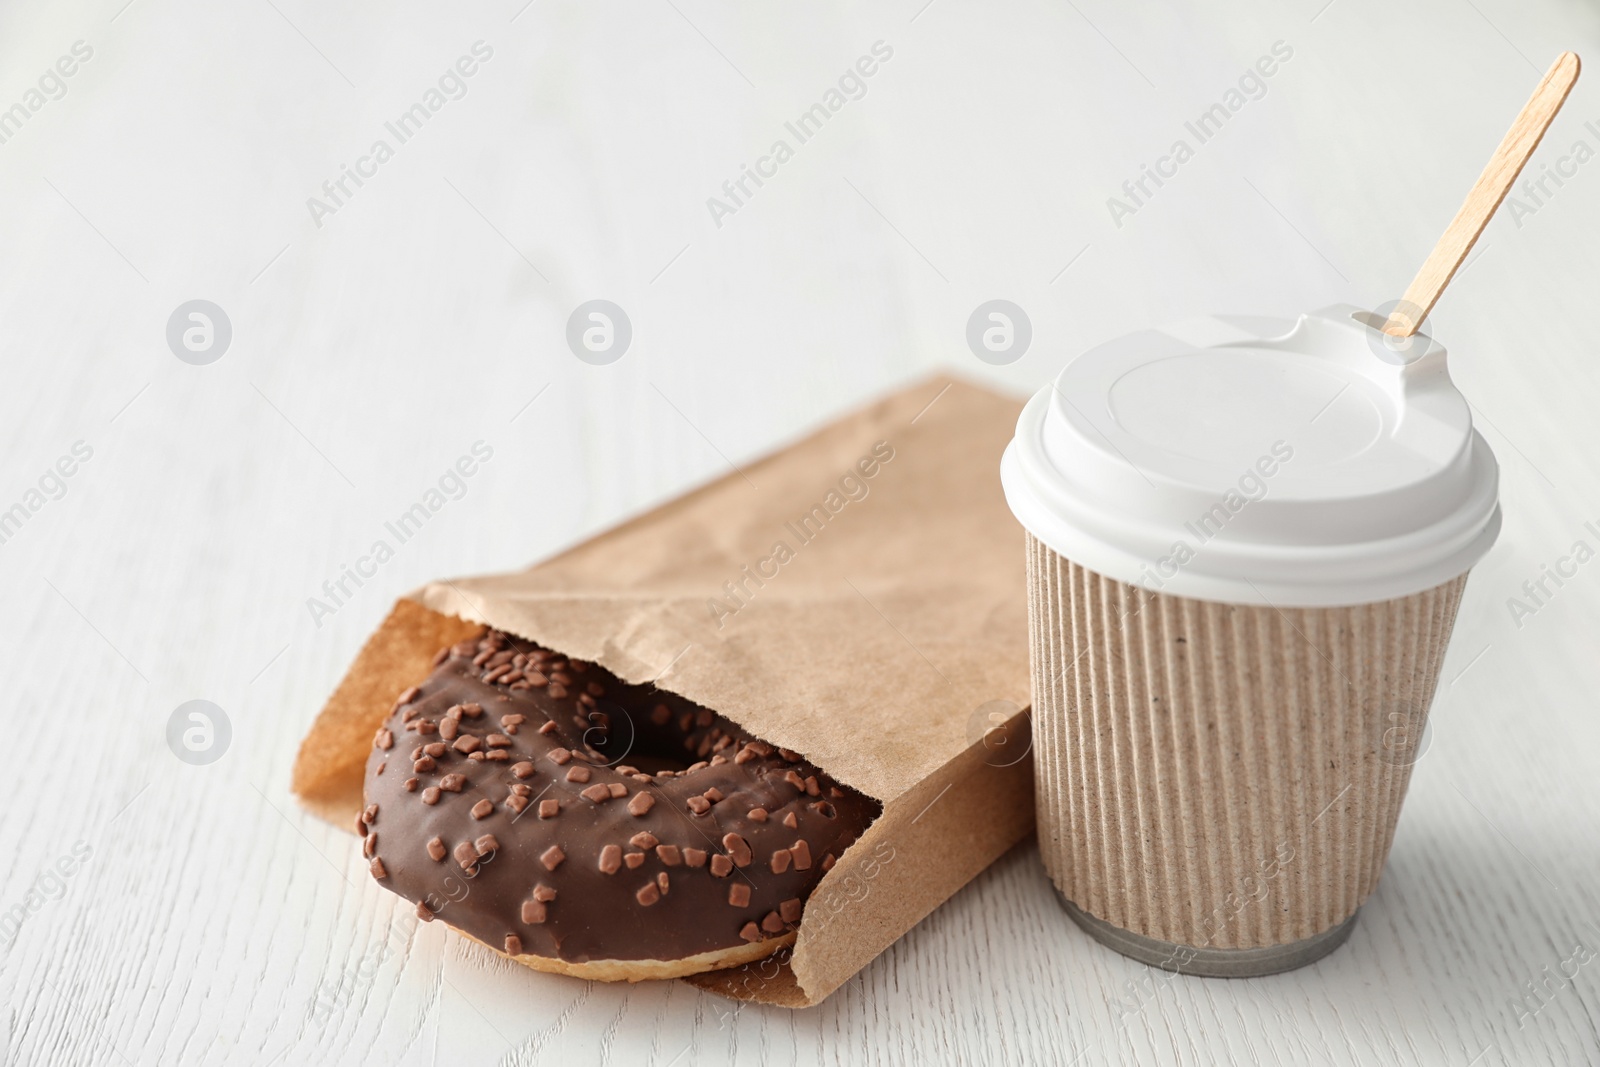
(621,740)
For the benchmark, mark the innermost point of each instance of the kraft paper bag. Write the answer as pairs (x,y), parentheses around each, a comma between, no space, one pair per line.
(858,597)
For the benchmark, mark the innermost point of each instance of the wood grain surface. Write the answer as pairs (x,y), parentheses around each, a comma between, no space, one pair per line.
(158,911)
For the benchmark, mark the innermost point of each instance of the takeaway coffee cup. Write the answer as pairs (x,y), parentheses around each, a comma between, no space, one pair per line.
(1247,540)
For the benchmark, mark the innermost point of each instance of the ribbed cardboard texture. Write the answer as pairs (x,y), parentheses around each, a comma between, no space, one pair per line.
(896,614)
(1220,775)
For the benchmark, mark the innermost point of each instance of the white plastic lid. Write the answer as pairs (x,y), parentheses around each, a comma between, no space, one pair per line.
(1258,460)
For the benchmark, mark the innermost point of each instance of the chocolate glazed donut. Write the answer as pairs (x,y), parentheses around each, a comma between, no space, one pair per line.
(590,827)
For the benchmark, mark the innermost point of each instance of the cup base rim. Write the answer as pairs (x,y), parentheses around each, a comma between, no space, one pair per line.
(1212,962)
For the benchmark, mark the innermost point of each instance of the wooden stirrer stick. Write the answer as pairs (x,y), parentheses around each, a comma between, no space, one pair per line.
(1485,197)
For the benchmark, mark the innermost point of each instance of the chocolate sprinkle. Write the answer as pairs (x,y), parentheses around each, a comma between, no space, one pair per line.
(737,848)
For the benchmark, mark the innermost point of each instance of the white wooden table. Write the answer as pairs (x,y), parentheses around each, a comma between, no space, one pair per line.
(206,919)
